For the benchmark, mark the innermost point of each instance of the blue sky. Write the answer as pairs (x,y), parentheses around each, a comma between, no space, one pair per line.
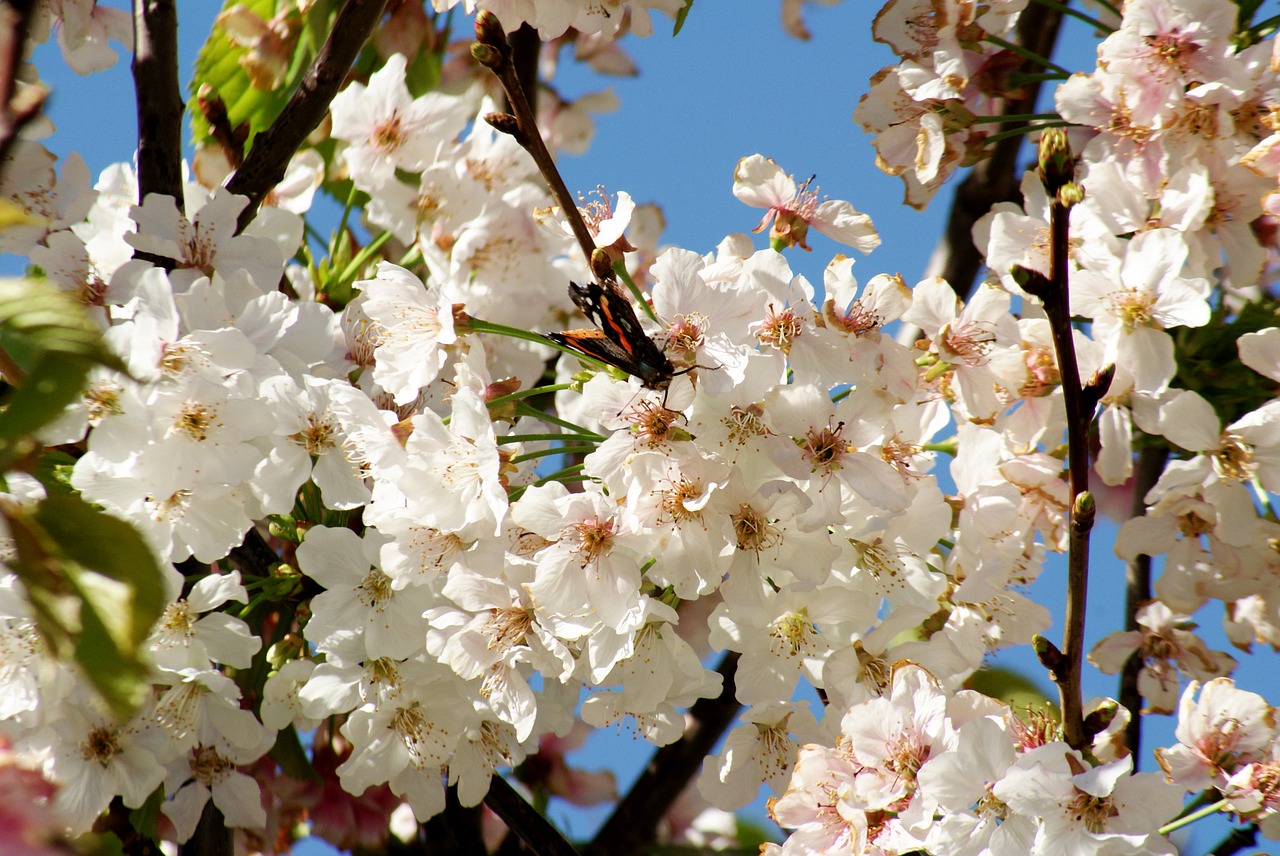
(732,84)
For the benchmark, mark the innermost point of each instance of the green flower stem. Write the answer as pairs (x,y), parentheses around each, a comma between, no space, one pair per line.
(557,450)
(346,215)
(525,410)
(1005,118)
(1194,816)
(572,470)
(1025,53)
(620,268)
(528,393)
(411,258)
(1262,26)
(362,258)
(549,438)
(479,326)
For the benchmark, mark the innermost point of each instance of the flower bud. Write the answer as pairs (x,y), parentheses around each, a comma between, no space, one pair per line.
(489,57)
(489,31)
(1057,165)
(504,122)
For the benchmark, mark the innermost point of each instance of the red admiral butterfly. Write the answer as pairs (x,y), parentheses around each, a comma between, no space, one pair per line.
(620,342)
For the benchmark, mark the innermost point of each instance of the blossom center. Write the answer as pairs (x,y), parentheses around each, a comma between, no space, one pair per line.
(375,590)
(101,745)
(781,329)
(593,537)
(208,765)
(388,135)
(753,530)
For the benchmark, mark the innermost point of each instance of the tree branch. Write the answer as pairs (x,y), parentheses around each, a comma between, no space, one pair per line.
(1151,461)
(159,99)
(494,52)
(634,821)
(212,836)
(15,112)
(264,165)
(995,179)
(523,820)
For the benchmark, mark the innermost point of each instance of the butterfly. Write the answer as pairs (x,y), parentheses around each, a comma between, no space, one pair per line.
(620,342)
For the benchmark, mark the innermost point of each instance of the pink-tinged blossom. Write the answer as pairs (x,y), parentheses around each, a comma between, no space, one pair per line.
(1220,730)
(1089,810)
(793,208)
(1167,649)
(51,202)
(1134,301)
(84,28)
(406,743)
(964,339)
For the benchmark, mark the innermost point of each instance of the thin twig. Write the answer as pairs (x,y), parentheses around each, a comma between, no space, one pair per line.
(159,99)
(525,821)
(15,112)
(996,178)
(1151,461)
(265,164)
(493,50)
(634,820)
(1057,164)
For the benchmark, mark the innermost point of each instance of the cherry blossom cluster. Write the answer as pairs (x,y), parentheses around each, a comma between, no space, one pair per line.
(922,770)
(479,545)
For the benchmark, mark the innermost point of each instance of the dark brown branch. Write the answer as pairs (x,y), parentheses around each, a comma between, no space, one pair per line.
(160,107)
(1151,461)
(254,556)
(997,178)
(632,825)
(212,836)
(264,165)
(523,820)
(456,830)
(494,51)
(15,112)
(1057,168)
(526,44)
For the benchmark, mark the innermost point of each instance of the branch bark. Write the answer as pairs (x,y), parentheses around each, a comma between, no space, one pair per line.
(269,156)
(15,112)
(634,821)
(1151,461)
(159,99)
(523,820)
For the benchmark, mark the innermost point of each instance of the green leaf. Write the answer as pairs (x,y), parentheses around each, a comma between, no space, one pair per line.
(50,337)
(111,547)
(95,589)
(115,671)
(146,817)
(55,382)
(218,65)
(680,16)
(37,317)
